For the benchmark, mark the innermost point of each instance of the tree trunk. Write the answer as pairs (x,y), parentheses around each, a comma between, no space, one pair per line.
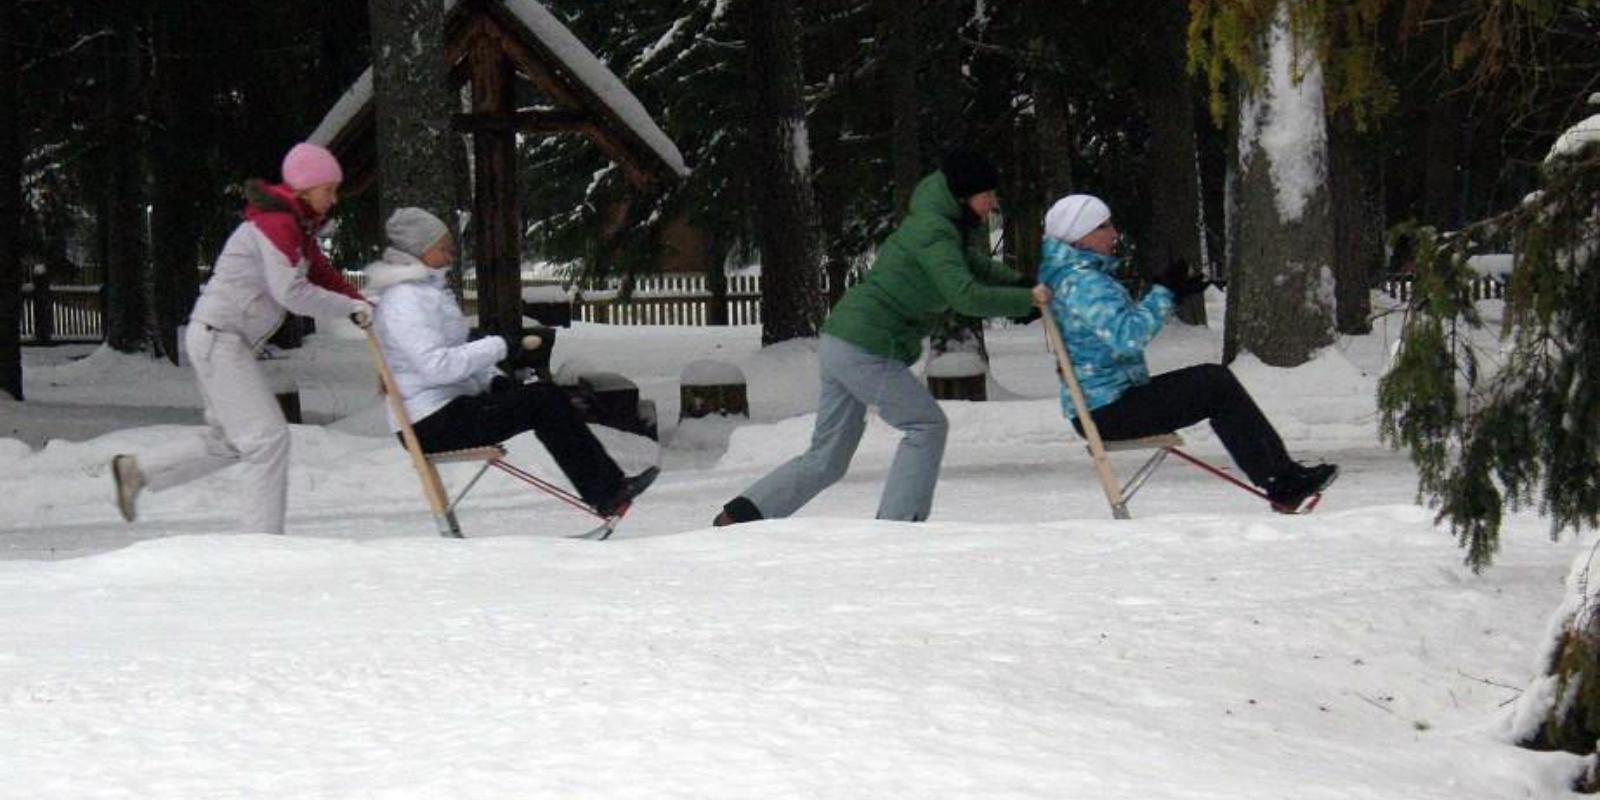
(1280,289)
(1172,176)
(791,297)
(1443,164)
(11,277)
(177,181)
(901,28)
(1355,185)
(1039,169)
(122,199)
(413,104)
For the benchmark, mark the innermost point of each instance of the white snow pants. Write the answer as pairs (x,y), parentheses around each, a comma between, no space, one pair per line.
(244,426)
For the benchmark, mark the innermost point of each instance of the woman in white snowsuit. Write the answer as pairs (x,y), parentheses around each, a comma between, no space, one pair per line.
(453,392)
(270,265)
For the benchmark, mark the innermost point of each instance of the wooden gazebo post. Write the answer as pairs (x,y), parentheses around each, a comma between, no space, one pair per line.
(496,207)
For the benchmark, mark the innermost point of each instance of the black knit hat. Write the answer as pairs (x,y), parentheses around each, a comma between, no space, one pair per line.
(968,173)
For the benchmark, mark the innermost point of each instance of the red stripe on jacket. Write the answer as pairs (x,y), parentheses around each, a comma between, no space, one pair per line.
(292,230)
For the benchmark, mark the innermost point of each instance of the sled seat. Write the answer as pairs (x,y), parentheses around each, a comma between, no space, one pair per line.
(489,453)
(1162,441)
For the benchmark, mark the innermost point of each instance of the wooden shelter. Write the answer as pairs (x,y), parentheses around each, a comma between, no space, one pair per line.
(494,47)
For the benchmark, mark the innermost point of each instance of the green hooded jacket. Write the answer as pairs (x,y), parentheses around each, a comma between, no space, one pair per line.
(922,270)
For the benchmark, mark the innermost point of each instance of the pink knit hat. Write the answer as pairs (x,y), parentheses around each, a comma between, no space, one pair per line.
(309,165)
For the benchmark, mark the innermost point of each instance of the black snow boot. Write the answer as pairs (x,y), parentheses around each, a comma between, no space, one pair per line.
(738,510)
(631,488)
(1288,492)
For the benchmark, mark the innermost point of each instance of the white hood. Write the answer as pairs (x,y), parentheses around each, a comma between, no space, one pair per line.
(399,267)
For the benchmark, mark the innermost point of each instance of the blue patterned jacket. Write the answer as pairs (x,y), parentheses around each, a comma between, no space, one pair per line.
(1104,329)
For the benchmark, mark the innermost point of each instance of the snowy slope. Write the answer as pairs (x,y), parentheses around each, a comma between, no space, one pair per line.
(1021,645)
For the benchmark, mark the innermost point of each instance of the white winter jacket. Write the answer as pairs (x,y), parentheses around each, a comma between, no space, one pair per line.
(269,265)
(423,335)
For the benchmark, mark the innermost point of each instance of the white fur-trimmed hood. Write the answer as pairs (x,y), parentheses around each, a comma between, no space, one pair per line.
(399,267)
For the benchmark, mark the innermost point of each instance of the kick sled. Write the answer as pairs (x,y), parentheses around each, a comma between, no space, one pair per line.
(1118,495)
(439,501)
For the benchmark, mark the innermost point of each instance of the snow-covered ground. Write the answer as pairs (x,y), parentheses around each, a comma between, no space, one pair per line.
(1021,645)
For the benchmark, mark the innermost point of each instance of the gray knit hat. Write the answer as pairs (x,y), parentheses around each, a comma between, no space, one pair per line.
(412,230)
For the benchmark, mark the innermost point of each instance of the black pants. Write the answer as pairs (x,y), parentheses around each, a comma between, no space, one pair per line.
(485,419)
(1183,397)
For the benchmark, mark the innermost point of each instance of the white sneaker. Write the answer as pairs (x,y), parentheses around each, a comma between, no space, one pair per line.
(130,482)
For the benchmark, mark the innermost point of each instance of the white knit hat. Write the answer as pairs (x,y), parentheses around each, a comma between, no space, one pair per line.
(412,230)
(1075,216)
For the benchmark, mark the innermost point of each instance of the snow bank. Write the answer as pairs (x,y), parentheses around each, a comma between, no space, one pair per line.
(709,372)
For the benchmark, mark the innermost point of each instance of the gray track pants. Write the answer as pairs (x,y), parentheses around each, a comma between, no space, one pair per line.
(853,379)
(244,426)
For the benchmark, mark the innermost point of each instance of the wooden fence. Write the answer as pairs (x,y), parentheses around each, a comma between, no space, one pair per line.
(670,300)
(1399,287)
(658,300)
(73,315)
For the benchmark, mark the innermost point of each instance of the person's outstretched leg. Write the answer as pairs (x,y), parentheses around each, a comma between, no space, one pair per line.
(841,418)
(240,402)
(563,432)
(1183,397)
(487,419)
(903,402)
(188,457)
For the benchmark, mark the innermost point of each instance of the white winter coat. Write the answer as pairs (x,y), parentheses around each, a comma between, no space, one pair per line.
(423,335)
(269,265)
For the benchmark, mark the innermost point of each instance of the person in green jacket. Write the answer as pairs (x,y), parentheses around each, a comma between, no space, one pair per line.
(935,261)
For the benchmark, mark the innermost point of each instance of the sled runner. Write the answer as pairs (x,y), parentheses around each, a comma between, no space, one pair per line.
(1118,496)
(433,489)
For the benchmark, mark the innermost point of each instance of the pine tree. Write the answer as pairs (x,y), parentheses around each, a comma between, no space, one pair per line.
(1522,432)
(681,58)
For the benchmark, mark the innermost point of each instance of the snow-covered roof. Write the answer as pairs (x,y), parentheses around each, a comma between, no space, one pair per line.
(354,99)
(598,78)
(574,58)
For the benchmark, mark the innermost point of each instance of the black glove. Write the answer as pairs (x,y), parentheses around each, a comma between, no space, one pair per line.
(517,354)
(1177,279)
(501,383)
(1033,314)
(1191,286)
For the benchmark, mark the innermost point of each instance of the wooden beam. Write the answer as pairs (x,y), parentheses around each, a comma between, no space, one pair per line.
(525,121)
(497,213)
(639,162)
